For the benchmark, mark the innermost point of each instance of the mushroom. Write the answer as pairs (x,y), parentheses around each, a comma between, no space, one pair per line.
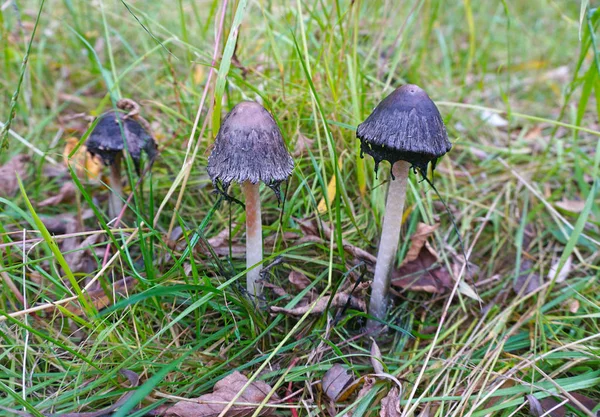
(248,149)
(407,130)
(106,141)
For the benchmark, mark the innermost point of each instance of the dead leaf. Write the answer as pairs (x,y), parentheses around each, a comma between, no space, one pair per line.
(277,290)
(573,306)
(66,194)
(561,275)
(421,270)
(85,165)
(390,405)
(80,258)
(534,133)
(331,190)
(100,300)
(527,281)
(299,280)
(574,206)
(335,381)
(542,407)
(302,144)
(17,166)
(368,383)
(339,300)
(418,240)
(211,405)
(376,359)
(493,119)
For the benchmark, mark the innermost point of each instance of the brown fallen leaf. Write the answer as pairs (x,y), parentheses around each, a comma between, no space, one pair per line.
(299,280)
(80,258)
(542,407)
(85,165)
(376,359)
(17,166)
(98,298)
(66,194)
(336,381)
(211,405)
(390,405)
(340,299)
(421,269)
(574,206)
(302,144)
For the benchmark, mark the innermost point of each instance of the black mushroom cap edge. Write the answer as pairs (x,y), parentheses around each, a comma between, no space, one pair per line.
(249,147)
(405,126)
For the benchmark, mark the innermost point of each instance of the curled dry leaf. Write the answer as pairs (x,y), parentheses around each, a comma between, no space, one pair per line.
(17,166)
(574,206)
(421,270)
(211,405)
(563,274)
(390,405)
(550,406)
(66,194)
(341,299)
(302,144)
(376,359)
(336,381)
(299,280)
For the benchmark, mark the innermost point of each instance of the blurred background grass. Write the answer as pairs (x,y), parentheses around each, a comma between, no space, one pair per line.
(517,88)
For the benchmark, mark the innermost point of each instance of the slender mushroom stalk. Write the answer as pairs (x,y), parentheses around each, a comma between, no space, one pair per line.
(407,130)
(114,133)
(115,199)
(254,243)
(388,244)
(248,149)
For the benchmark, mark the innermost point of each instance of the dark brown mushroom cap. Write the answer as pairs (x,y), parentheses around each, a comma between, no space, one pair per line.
(405,126)
(106,139)
(249,147)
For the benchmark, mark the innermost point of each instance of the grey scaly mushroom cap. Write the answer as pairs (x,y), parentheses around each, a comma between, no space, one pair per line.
(106,139)
(405,126)
(249,147)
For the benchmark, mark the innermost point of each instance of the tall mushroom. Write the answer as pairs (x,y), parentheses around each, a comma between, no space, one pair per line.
(407,130)
(107,141)
(248,149)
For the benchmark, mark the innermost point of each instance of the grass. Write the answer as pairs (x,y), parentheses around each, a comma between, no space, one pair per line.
(320,68)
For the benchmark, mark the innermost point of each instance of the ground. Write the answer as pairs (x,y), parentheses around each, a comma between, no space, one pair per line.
(516,83)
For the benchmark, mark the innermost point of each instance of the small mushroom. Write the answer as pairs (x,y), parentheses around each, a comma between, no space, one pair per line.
(106,141)
(248,149)
(406,130)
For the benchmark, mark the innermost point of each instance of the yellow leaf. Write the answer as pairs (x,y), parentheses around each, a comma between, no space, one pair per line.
(331,189)
(82,161)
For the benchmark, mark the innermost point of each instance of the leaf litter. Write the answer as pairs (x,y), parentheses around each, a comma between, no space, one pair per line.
(421,269)
(212,404)
(15,167)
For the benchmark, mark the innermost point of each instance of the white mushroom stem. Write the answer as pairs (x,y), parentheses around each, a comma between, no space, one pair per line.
(115,201)
(254,243)
(388,245)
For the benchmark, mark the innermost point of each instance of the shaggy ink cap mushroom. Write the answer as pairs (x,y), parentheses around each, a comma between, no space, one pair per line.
(405,126)
(249,147)
(106,139)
